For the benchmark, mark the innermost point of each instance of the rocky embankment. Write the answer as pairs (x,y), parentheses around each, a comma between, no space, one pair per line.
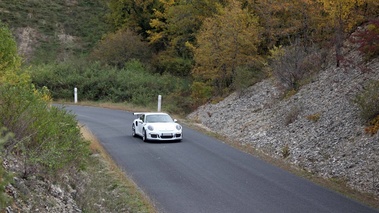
(318,129)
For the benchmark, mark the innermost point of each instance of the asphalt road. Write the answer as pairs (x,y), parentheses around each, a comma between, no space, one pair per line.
(201,174)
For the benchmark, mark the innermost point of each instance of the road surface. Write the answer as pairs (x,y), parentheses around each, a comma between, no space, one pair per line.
(204,175)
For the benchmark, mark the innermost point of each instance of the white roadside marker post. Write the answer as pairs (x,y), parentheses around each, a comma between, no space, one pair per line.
(76,95)
(159,102)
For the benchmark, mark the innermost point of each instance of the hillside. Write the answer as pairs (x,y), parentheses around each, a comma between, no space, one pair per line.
(49,31)
(319,129)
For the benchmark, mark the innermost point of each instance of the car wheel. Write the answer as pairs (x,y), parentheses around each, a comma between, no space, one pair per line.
(134,131)
(144,138)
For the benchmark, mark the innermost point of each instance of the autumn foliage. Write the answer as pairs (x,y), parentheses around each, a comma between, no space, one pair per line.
(368,40)
(211,41)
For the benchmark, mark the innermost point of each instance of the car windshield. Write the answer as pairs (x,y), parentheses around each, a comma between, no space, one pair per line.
(158,119)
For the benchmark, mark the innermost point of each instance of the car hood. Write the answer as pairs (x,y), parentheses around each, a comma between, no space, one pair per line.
(163,126)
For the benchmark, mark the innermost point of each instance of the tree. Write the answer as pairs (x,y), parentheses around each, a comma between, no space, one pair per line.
(344,15)
(283,21)
(174,26)
(292,64)
(118,48)
(368,40)
(9,58)
(133,14)
(225,42)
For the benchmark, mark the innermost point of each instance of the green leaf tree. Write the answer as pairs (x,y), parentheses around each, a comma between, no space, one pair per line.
(120,47)
(132,14)
(174,26)
(9,58)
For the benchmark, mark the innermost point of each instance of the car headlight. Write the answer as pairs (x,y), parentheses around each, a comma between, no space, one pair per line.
(150,128)
(178,127)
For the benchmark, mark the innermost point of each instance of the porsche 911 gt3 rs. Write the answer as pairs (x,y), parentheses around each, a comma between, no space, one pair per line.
(156,126)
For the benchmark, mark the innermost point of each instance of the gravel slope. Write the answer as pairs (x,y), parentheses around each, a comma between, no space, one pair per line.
(332,145)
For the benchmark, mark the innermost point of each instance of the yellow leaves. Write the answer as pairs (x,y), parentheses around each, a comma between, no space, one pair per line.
(12,77)
(225,42)
(372,27)
(190,46)
(154,36)
(43,94)
(277,52)
(158,14)
(343,11)
(155,23)
(167,3)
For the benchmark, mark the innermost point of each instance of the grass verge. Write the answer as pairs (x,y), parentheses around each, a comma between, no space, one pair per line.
(107,187)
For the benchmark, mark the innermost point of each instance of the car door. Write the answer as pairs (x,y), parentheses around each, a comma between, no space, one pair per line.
(139,124)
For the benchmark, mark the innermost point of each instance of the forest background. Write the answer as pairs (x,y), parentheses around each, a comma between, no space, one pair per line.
(191,52)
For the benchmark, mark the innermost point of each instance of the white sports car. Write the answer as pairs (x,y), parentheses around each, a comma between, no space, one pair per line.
(156,126)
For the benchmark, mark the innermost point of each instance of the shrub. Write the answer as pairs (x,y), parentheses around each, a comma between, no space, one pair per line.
(133,84)
(118,48)
(246,76)
(292,116)
(165,62)
(368,101)
(179,102)
(291,65)
(201,93)
(8,50)
(373,127)
(46,138)
(286,151)
(5,178)
(314,117)
(368,40)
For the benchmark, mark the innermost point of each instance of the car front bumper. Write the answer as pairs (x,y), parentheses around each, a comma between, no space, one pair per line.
(164,136)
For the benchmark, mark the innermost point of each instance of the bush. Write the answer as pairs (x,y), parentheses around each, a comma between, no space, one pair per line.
(118,48)
(46,138)
(165,62)
(368,102)
(201,93)
(368,40)
(286,152)
(8,50)
(5,178)
(246,76)
(373,127)
(291,65)
(314,117)
(133,84)
(292,115)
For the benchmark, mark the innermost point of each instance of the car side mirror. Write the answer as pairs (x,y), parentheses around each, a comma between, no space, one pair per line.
(175,120)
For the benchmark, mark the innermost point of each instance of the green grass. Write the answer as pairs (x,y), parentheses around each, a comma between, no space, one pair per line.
(108,186)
